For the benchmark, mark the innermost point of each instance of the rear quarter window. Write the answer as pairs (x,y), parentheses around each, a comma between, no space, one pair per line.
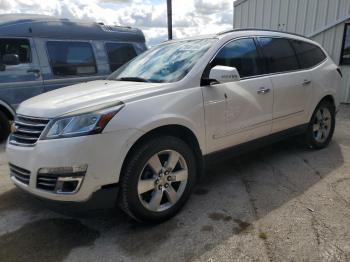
(309,55)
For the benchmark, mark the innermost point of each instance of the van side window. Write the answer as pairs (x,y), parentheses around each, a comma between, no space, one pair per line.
(241,54)
(308,54)
(20,47)
(119,53)
(71,58)
(279,55)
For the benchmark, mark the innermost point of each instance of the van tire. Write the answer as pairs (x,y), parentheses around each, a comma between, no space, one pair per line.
(129,196)
(4,126)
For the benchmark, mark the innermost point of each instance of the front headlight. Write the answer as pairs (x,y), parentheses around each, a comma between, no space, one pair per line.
(80,125)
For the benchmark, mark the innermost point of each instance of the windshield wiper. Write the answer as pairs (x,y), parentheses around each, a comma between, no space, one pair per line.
(133,79)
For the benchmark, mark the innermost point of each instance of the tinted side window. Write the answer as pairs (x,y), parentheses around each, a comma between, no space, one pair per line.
(279,55)
(71,58)
(241,54)
(119,54)
(18,47)
(308,54)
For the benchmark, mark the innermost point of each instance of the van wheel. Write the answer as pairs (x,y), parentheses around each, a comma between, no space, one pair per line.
(321,126)
(157,179)
(4,126)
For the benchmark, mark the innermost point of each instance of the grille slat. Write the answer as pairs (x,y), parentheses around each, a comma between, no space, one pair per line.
(20,174)
(48,179)
(23,137)
(28,130)
(20,123)
(46,182)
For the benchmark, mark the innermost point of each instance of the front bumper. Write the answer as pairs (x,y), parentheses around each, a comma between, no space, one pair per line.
(103,154)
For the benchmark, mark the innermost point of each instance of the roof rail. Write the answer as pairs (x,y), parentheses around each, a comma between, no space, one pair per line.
(258,29)
(114,28)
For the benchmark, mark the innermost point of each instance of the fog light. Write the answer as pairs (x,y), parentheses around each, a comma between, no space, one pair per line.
(61,180)
(71,170)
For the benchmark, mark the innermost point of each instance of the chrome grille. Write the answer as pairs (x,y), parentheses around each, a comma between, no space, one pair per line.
(27,130)
(20,174)
(46,182)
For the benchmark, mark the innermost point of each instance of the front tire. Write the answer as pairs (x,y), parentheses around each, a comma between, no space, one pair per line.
(157,179)
(321,127)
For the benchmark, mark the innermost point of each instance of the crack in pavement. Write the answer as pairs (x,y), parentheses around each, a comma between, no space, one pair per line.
(245,182)
(328,250)
(333,188)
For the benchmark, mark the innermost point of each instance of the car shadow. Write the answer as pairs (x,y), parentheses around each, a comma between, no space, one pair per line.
(233,194)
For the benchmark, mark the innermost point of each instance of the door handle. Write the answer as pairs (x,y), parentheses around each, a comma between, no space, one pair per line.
(35,71)
(306,82)
(263,91)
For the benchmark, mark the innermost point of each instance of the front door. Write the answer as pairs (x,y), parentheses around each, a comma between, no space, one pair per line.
(240,111)
(21,81)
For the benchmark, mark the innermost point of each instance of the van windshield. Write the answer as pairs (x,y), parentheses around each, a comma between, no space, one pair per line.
(165,63)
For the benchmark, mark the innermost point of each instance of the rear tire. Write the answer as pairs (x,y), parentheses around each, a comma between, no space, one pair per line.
(4,126)
(321,127)
(157,179)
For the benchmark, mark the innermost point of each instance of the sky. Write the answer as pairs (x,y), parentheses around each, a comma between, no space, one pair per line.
(190,17)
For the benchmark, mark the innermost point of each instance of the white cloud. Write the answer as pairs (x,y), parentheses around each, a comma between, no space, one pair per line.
(190,17)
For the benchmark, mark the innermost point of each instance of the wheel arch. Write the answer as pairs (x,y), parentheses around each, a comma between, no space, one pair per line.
(328,98)
(176,130)
(325,97)
(7,109)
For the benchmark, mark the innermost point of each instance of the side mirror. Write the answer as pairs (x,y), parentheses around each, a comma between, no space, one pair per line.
(2,67)
(224,74)
(10,59)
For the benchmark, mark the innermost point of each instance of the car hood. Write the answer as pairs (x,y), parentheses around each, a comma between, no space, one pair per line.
(83,96)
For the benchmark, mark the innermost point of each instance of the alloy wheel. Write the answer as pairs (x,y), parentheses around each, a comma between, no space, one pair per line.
(322,124)
(162,180)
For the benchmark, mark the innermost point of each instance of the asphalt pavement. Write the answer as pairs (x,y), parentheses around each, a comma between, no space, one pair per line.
(280,203)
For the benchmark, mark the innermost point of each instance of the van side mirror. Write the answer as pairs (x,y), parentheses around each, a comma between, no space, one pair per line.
(224,74)
(10,59)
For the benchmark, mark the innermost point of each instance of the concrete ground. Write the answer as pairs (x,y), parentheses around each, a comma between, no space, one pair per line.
(280,203)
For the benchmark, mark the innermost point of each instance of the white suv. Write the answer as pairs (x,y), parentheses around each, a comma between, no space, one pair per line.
(150,127)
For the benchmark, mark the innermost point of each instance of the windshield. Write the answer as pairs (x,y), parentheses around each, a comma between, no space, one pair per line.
(165,63)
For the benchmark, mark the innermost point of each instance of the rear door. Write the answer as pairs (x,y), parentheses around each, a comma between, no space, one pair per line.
(292,86)
(24,80)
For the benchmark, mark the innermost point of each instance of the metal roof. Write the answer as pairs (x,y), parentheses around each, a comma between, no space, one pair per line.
(306,17)
(31,25)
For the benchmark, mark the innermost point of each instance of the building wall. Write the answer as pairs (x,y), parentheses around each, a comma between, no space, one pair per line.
(320,20)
